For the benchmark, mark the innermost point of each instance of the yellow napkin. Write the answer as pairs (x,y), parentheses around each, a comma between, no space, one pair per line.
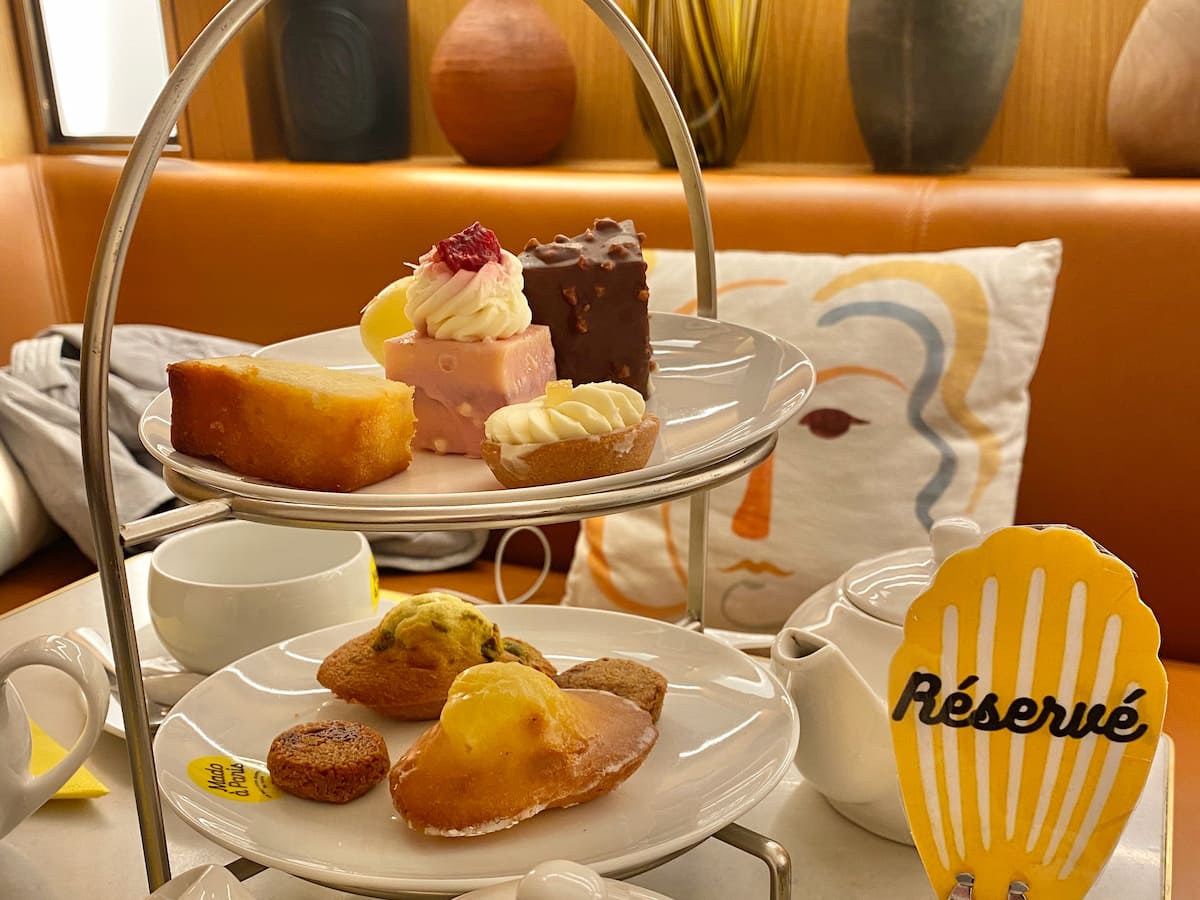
(83,785)
(392,597)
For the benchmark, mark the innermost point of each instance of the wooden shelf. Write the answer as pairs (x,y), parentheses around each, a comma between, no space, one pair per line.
(788,169)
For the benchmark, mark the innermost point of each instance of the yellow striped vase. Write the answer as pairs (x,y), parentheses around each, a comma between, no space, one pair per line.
(711,52)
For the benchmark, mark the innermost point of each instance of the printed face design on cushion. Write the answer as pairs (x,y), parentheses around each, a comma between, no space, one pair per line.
(904,406)
(827,422)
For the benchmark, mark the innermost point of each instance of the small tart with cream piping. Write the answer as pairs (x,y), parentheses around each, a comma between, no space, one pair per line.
(569,434)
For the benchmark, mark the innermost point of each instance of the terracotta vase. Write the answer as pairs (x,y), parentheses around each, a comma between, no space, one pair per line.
(928,77)
(503,83)
(1154,95)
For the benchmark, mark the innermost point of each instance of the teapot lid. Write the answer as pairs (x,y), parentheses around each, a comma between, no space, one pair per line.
(885,587)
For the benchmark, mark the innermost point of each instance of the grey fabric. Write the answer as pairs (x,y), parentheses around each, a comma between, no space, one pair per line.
(39,417)
(427,551)
(39,423)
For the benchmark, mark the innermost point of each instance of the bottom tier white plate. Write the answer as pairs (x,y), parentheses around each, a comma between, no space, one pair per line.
(727,736)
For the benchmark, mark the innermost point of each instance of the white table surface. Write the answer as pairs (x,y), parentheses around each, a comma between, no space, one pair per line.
(70,850)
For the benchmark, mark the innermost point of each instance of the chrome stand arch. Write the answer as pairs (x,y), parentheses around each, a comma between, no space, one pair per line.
(111,537)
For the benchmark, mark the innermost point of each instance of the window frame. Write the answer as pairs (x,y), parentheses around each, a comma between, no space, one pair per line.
(41,101)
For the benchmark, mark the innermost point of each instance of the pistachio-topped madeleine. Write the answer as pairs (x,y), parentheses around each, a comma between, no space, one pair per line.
(404,666)
(435,622)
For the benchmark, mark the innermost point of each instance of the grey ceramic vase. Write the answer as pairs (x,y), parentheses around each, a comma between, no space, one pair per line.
(928,77)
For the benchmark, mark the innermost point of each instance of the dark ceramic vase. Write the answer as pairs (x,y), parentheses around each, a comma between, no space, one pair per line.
(341,68)
(928,77)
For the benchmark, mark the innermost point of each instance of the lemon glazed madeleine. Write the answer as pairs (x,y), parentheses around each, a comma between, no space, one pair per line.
(510,744)
(293,423)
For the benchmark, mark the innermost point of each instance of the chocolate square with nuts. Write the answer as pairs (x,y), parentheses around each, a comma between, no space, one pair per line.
(591,291)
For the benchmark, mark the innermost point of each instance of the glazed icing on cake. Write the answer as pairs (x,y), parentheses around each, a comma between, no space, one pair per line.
(502,708)
(566,413)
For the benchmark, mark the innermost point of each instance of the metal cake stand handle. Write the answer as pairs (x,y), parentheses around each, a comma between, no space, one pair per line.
(97,341)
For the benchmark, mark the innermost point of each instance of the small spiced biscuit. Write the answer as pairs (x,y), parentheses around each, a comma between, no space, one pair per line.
(331,761)
(623,677)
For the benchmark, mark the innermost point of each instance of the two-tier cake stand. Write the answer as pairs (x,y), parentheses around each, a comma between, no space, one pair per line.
(212,500)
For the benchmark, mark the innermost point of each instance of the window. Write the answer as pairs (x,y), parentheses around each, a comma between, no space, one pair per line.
(95,67)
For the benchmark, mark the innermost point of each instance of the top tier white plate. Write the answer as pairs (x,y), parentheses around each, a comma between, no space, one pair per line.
(717,389)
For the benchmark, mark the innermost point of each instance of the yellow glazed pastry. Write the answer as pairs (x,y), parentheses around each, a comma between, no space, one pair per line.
(511,743)
(570,433)
(405,665)
(384,317)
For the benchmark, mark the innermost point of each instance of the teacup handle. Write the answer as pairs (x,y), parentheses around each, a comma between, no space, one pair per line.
(60,653)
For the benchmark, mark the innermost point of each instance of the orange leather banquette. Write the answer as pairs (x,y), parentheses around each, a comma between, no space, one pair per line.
(271,250)
(268,251)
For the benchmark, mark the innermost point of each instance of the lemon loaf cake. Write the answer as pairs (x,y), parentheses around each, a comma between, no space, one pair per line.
(297,424)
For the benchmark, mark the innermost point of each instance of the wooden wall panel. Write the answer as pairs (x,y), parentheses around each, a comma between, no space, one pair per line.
(16,138)
(804,111)
(1055,109)
(233,112)
(1053,114)
(427,19)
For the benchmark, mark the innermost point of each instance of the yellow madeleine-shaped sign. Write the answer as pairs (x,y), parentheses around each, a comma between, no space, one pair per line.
(1026,703)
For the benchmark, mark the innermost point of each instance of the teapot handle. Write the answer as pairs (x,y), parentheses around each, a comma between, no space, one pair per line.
(60,653)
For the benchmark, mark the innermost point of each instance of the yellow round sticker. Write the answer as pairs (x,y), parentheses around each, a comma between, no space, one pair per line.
(374,585)
(232,779)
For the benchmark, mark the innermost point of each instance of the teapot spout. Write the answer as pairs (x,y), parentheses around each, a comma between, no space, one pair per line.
(845,747)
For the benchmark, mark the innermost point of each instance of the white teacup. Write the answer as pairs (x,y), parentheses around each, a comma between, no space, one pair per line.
(20,792)
(219,592)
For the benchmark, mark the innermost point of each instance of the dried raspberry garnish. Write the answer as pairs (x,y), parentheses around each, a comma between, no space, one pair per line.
(470,249)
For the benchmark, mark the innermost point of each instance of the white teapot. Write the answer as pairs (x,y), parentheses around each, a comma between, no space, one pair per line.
(562,879)
(833,655)
(20,792)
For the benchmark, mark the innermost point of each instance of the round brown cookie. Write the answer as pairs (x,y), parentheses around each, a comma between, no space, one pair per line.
(623,677)
(331,761)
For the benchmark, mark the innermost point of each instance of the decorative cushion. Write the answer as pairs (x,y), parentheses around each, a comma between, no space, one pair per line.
(923,364)
(24,524)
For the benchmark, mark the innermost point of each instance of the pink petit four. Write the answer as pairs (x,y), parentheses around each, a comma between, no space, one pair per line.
(458,384)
